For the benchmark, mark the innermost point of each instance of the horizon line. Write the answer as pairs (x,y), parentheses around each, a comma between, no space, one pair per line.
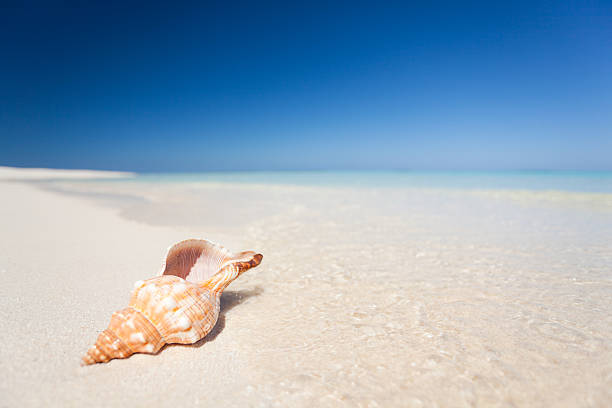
(321,170)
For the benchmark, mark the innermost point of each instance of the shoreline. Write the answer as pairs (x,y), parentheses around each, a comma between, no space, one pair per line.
(35,173)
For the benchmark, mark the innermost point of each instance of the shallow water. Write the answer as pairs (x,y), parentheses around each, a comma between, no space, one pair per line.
(578,181)
(404,295)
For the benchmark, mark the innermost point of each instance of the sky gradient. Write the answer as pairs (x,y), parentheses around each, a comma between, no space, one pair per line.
(355,85)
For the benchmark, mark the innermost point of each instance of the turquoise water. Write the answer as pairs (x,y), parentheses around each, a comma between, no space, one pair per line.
(597,182)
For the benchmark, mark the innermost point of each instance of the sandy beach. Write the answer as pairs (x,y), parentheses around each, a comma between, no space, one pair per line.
(366,297)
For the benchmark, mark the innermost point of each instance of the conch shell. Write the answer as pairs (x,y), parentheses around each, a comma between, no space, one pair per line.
(179,306)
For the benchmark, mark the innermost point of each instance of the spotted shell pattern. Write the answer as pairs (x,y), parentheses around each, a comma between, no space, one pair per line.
(170,309)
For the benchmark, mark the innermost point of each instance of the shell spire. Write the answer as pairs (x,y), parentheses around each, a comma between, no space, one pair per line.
(180,306)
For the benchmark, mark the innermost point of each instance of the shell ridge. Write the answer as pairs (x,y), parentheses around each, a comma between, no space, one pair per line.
(232,269)
(119,345)
(197,311)
(151,325)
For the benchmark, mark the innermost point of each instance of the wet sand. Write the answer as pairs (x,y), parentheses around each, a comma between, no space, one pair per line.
(365,297)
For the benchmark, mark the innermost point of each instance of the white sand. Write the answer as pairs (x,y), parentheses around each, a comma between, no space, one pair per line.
(389,297)
(12,173)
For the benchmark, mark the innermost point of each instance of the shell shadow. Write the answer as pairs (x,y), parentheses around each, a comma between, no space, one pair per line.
(229,300)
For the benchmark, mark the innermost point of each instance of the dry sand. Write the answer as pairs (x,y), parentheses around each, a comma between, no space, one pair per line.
(379,297)
(15,174)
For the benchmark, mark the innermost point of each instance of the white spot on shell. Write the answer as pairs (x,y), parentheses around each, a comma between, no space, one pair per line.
(130,324)
(183,323)
(169,303)
(138,284)
(148,348)
(179,287)
(193,336)
(137,338)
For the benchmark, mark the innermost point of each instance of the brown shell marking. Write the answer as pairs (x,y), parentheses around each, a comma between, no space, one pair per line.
(169,309)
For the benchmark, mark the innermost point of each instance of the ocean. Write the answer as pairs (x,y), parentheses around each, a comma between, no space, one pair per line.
(576,181)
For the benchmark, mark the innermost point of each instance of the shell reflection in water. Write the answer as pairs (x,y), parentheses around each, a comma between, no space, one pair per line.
(180,306)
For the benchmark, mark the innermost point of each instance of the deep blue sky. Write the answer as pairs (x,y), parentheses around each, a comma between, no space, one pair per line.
(238,86)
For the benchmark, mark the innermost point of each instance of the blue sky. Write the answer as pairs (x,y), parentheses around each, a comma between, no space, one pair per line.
(349,85)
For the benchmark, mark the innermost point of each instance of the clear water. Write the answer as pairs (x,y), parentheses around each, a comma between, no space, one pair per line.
(597,182)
